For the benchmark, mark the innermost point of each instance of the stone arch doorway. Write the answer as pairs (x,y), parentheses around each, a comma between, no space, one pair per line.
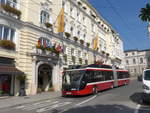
(44,78)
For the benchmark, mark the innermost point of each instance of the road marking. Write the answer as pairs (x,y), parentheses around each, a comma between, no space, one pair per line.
(39,106)
(86,100)
(52,107)
(30,107)
(137,108)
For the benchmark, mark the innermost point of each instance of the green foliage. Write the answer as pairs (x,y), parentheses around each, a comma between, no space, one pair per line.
(7,44)
(145,13)
(10,9)
(75,39)
(81,41)
(67,34)
(48,25)
(88,44)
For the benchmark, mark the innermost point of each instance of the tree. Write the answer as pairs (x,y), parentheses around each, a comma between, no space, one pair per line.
(145,13)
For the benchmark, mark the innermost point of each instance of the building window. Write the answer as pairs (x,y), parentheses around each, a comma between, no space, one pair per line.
(72,51)
(134,61)
(12,3)
(78,33)
(127,62)
(133,53)
(79,53)
(141,60)
(64,49)
(134,70)
(126,54)
(92,26)
(6,33)
(71,10)
(44,17)
(63,4)
(71,29)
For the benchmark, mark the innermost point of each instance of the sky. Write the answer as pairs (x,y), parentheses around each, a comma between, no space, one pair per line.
(122,15)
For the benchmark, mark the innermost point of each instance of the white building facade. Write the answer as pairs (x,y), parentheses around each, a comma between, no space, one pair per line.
(136,61)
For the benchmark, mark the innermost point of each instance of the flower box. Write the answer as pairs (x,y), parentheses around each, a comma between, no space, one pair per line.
(81,41)
(103,52)
(107,54)
(67,34)
(48,25)
(12,10)
(7,44)
(75,38)
(88,44)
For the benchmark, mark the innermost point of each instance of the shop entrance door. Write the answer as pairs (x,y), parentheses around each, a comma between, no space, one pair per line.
(5,85)
(44,78)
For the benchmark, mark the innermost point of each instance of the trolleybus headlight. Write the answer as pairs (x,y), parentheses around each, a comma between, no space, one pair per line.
(145,87)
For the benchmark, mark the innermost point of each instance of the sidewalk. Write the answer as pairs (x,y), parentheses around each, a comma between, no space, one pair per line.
(14,101)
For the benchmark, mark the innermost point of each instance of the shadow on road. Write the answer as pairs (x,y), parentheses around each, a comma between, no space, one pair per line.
(137,98)
(98,109)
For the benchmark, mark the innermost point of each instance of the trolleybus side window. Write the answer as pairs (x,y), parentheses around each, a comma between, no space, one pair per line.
(120,75)
(90,75)
(109,75)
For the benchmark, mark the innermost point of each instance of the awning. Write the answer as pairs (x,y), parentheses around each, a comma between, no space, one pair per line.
(10,69)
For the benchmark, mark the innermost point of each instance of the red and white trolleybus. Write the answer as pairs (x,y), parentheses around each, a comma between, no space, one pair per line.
(92,78)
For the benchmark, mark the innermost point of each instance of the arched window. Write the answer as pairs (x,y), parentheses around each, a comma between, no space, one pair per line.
(127,62)
(134,61)
(141,60)
(44,17)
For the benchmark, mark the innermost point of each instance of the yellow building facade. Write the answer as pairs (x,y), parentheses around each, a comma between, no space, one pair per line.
(41,52)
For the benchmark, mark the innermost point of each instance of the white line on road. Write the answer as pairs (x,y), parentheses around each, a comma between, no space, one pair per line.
(86,100)
(52,107)
(137,108)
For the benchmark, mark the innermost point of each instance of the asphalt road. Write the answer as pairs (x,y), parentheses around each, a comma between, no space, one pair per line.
(125,99)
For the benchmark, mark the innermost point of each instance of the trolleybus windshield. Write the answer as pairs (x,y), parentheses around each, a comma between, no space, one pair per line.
(72,76)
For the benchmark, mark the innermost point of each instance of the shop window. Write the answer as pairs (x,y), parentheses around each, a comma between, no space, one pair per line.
(6,33)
